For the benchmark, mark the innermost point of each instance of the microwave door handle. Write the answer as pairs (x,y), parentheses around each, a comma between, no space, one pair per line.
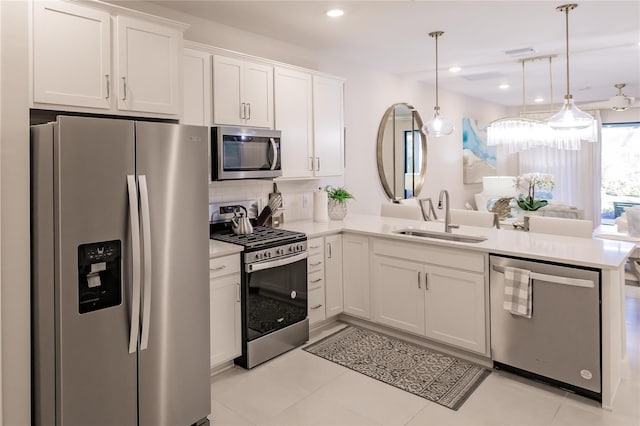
(274,149)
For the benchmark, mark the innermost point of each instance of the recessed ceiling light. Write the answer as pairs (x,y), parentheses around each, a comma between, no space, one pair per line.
(504,86)
(539,99)
(334,13)
(455,69)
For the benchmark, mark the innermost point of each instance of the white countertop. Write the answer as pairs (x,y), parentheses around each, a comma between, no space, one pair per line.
(594,252)
(220,248)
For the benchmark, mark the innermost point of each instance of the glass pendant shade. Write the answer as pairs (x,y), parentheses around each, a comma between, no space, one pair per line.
(438,126)
(570,117)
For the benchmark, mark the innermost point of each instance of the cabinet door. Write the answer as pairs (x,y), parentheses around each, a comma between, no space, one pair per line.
(227,91)
(455,307)
(225,319)
(399,293)
(328,127)
(294,118)
(333,275)
(148,74)
(357,294)
(71,55)
(258,94)
(196,105)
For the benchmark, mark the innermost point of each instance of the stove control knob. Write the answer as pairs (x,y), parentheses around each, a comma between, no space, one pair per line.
(300,247)
(279,251)
(291,248)
(267,254)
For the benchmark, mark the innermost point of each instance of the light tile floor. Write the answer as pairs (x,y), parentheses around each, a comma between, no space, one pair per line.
(298,388)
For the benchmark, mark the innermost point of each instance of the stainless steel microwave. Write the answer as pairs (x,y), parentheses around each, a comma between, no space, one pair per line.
(245,153)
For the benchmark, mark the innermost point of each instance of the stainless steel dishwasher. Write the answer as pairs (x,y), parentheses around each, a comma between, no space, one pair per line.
(560,343)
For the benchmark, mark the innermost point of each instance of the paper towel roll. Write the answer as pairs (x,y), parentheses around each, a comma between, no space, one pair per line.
(320,206)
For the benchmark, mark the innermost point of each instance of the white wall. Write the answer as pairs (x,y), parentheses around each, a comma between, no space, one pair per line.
(14,215)
(367,96)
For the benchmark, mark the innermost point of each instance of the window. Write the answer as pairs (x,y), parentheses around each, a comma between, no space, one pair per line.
(412,160)
(620,169)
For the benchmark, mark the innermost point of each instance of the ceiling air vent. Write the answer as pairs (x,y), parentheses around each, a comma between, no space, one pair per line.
(491,75)
(520,52)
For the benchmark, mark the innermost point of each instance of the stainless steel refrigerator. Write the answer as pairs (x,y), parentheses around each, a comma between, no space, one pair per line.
(120,278)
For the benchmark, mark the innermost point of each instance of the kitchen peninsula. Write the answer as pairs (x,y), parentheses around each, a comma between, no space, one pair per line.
(369,241)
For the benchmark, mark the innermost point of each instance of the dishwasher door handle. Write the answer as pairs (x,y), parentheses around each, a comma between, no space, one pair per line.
(576,282)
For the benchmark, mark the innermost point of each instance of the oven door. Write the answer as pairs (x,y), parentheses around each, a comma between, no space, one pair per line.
(275,295)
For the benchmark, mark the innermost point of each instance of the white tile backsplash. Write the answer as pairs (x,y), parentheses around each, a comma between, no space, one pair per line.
(297,195)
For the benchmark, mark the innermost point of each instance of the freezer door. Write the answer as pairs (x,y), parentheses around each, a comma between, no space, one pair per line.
(96,373)
(171,164)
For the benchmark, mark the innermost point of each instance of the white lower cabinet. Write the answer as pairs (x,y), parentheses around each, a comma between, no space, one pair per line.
(224,285)
(333,275)
(324,278)
(427,291)
(399,293)
(315,281)
(455,307)
(355,274)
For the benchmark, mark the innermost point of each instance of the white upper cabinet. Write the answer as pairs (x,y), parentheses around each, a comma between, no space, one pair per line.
(242,93)
(309,112)
(71,55)
(148,59)
(328,126)
(294,118)
(196,73)
(81,64)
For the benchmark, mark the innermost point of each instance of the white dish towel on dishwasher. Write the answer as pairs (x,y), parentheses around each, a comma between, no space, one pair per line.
(517,291)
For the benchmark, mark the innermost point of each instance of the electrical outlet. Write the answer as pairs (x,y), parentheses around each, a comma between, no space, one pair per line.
(305,201)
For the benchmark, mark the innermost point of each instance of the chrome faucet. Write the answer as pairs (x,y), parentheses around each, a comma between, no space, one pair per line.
(447,215)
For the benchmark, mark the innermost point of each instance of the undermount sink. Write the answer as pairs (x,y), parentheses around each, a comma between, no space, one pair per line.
(441,235)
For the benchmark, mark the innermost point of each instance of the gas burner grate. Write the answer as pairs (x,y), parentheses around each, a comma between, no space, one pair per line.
(261,236)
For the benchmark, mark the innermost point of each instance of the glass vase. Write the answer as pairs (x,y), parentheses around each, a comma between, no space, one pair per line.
(337,210)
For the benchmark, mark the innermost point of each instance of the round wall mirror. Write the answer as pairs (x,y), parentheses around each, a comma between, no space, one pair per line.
(401,152)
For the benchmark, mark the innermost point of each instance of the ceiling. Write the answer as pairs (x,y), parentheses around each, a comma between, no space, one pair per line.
(392,36)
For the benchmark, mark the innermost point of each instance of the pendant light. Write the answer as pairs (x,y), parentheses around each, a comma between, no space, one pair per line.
(518,133)
(570,116)
(437,126)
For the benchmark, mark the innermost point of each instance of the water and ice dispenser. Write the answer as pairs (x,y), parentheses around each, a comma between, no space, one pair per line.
(99,275)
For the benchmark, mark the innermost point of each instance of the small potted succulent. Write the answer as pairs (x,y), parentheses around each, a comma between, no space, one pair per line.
(337,202)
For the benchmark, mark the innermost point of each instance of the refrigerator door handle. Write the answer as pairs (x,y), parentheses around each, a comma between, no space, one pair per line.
(146,244)
(135,251)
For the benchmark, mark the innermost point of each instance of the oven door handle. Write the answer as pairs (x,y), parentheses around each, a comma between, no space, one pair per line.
(253,267)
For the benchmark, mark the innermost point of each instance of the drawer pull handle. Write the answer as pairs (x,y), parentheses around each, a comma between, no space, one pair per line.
(314,247)
(316,307)
(317,280)
(315,264)
(219,268)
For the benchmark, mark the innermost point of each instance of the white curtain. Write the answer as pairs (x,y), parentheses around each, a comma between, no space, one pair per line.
(576,173)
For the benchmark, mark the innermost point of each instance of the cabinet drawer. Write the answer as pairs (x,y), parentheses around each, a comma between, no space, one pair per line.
(225,265)
(315,280)
(316,310)
(315,246)
(315,263)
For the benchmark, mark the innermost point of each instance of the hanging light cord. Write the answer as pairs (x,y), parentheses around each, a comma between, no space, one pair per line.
(566,8)
(550,85)
(436,34)
(524,107)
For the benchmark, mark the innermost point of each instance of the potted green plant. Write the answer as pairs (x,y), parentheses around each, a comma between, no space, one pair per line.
(337,201)
(527,184)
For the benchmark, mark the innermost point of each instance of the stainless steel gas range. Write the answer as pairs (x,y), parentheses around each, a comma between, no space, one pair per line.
(274,286)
